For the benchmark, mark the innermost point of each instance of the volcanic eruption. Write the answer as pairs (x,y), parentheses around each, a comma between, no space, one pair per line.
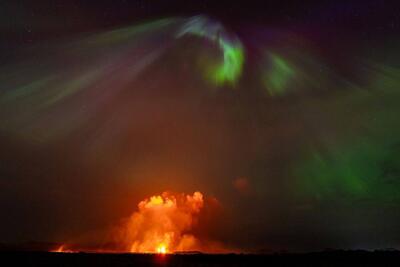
(163,224)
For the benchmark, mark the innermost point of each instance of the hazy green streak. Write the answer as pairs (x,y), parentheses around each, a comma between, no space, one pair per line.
(277,77)
(73,86)
(119,35)
(26,90)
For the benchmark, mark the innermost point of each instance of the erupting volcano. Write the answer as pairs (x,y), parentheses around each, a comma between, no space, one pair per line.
(163,224)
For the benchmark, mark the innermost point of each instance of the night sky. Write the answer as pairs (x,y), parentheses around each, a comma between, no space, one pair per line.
(284,114)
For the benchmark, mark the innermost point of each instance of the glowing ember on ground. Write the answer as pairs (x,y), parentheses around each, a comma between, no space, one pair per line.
(62,249)
(161,249)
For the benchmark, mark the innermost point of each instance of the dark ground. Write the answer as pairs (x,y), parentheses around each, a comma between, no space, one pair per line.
(331,258)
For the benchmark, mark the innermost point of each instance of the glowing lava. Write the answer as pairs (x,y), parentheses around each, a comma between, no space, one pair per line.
(62,249)
(161,249)
(163,224)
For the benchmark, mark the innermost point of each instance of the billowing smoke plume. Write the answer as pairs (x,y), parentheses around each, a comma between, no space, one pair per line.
(163,224)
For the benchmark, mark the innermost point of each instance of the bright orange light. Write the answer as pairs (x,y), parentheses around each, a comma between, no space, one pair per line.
(161,249)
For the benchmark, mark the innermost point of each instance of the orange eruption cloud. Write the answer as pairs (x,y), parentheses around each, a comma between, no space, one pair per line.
(163,224)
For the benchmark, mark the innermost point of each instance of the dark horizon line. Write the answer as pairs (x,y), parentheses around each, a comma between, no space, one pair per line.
(200,253)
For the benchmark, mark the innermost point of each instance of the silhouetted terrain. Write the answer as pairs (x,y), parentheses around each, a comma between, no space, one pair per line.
(330,258)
